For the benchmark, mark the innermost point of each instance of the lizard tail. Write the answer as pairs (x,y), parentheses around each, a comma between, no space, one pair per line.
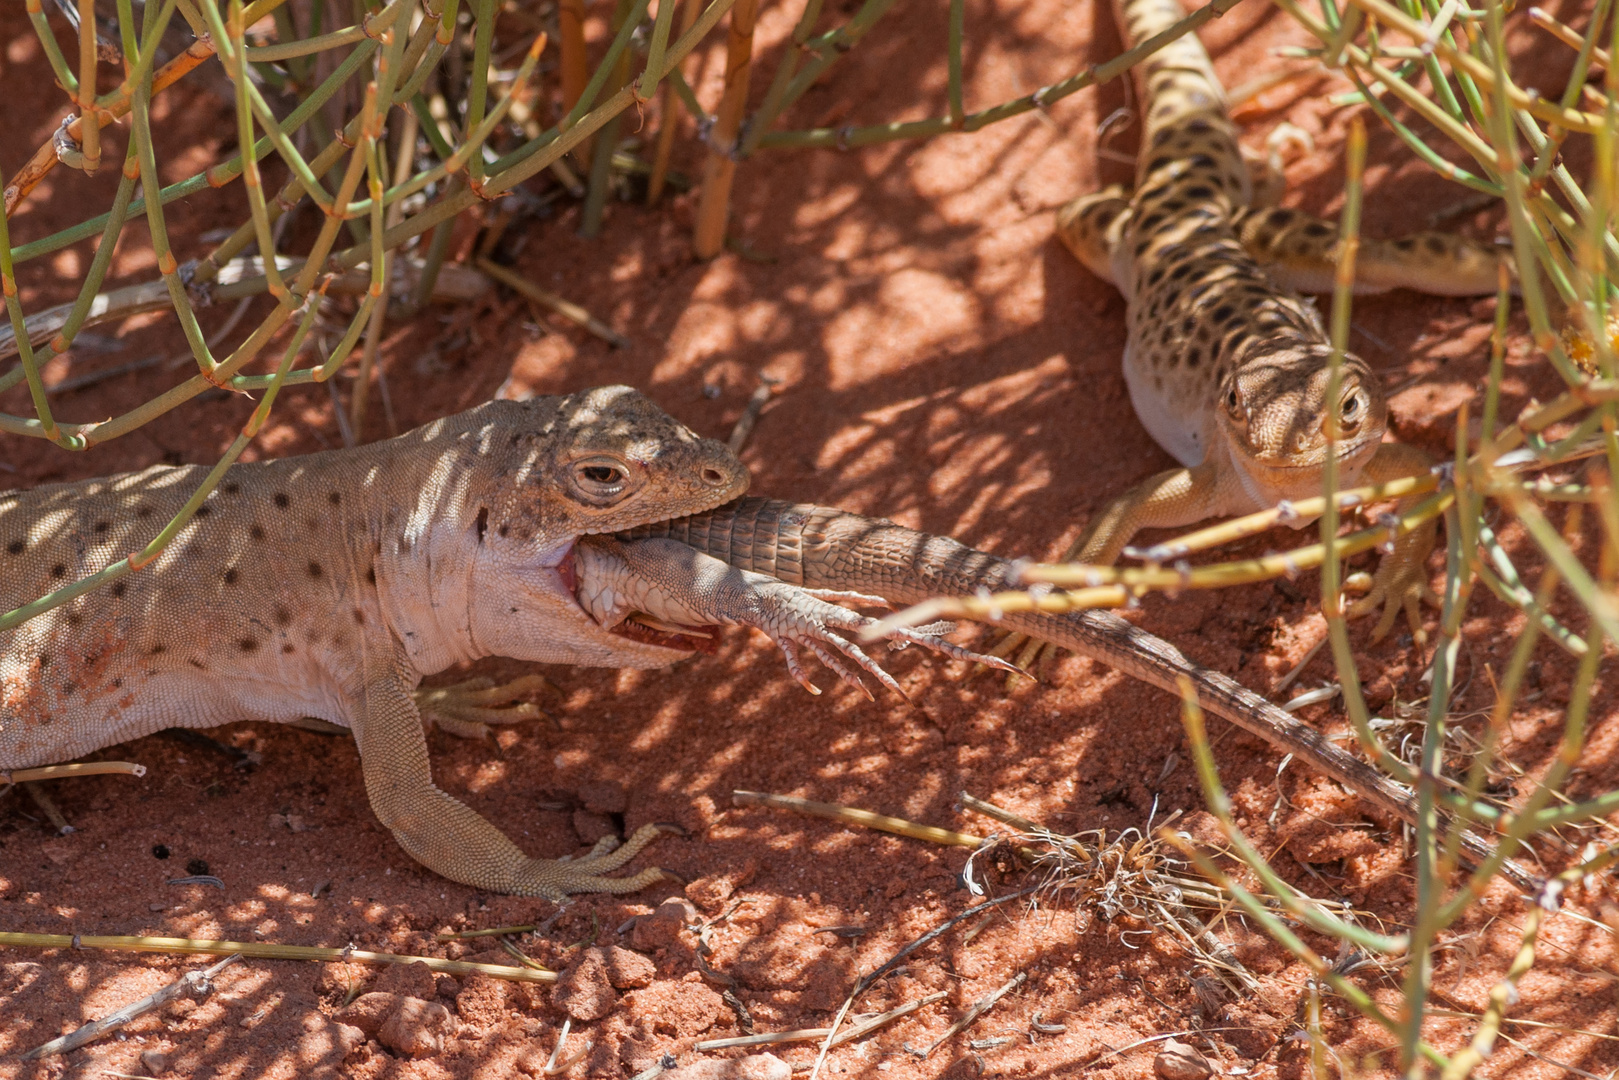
(821,547)
(1182,101)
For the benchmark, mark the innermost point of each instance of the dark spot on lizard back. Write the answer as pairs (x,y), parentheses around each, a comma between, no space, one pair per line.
(1407,243)
(256,532)
(59,571)
(283,617)
(248,644)
(1434,244)
(315,570)
(143,511)
(281,500)
(204,511)
(288,649)
(198,664)
(371,574)
(74,618)
(119,588)
(1199,191)
(158,650)
(359,617)
(230,576)
(15,547)
(101,526)
(232,488)
(1278,218)
(504,530)
(335,498)
(1317,229)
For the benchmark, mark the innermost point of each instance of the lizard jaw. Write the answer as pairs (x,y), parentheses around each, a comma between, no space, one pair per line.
(636,626)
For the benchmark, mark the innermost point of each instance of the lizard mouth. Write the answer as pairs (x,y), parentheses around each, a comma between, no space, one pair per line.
(638,626)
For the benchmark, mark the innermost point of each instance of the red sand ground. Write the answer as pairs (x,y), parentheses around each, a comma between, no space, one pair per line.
(945,363)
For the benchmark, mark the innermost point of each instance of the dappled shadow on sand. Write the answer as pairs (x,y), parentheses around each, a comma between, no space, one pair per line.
(945,364)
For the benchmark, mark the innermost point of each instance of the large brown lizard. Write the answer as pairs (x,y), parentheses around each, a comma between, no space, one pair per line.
(327,586)
(1227,367)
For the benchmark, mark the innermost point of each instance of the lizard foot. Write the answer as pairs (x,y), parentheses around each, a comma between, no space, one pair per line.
(1401,583)
(556,879)
(466,709)
(797,619)
(1396,588)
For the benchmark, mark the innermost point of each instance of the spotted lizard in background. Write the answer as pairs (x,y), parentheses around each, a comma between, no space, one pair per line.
(327,586)
(1226,365)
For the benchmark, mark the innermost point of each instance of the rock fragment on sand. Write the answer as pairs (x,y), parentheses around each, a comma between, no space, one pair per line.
(416,1028)
(406,1025)
(1181,1061)
(663,926)
(583,990)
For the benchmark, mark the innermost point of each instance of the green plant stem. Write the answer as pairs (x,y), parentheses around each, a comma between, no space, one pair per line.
(1041,98)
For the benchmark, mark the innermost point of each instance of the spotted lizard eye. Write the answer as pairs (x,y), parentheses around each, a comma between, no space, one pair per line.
(1350,413)
(601,474)
(1231,399)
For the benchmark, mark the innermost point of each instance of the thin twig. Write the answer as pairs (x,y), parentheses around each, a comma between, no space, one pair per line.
(267,951)
(750,412)
(197,982)
(978,1008)
(566,308)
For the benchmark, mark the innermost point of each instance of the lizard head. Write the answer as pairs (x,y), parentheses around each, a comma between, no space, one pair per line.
(604,460)
(1274,411)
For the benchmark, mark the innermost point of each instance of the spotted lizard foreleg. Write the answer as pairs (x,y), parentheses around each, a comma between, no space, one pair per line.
(1401,580)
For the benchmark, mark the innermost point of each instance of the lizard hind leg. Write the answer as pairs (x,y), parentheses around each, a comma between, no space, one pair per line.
(467,709)
(1090,227)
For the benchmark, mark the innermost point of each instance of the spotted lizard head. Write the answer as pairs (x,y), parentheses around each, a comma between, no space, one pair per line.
(1274,413)
(601,461)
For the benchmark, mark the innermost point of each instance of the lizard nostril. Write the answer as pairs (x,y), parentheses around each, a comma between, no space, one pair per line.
(713,477)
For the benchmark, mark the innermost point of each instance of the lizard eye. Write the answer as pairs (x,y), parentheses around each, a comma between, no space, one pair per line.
(601,480)
(1350,412)
(1232,401)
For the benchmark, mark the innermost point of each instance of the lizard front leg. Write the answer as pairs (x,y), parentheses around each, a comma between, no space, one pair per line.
(1402,577)
(1173,497)
(675,584)
(442,833)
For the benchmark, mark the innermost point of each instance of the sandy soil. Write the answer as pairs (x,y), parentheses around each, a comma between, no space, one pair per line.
(944,363)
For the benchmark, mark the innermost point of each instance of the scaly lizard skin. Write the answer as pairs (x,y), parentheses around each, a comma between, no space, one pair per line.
(822,548)
(1227,367)
(327,586)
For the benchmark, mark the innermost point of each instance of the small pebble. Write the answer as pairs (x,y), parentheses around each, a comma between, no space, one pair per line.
(155,1062)
(1181,1061)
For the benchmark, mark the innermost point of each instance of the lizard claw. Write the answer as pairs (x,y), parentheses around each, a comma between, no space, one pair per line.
(555,879)
(797,618)
(466,709)
(1401,583)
